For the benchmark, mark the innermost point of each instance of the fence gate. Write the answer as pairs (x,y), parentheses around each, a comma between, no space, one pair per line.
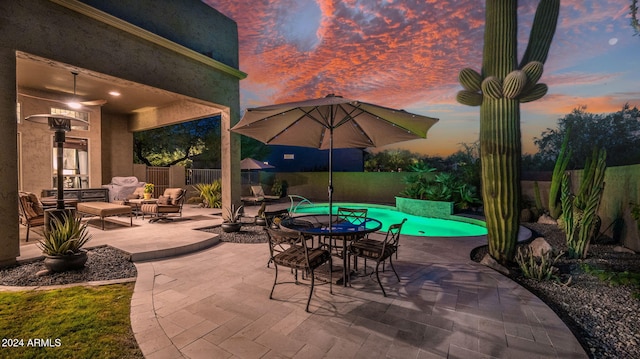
(159,176)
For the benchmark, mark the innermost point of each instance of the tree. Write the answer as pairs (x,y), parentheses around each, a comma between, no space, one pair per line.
(618,133)
(499,89)
(169,145)
(391,160)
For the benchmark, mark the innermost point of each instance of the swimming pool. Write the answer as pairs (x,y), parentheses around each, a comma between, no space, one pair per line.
(415,225)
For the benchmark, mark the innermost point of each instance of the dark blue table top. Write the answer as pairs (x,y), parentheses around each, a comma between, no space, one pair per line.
(318,224)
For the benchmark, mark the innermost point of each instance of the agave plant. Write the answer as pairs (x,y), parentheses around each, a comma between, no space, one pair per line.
(233,214)
(66,236)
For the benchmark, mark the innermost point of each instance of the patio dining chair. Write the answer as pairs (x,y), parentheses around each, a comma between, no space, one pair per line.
(378,251)
(353,215)
(289,249)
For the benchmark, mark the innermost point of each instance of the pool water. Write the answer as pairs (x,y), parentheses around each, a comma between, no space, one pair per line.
(415,225)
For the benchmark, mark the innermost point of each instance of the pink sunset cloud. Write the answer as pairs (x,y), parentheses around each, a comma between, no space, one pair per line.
(407,54)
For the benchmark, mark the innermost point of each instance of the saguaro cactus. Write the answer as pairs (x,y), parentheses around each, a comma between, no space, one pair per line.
(499,89)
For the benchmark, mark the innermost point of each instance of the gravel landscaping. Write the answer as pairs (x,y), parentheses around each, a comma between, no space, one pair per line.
(248,234)
(103,263)
(604,317)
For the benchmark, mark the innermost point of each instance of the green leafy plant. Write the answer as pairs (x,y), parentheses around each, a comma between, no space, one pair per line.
(580,211)
(555,206)
(233,214)
(278,188)
(149,187)
(444,186)
(635,211)
(614,278)
(66,236)
(539,268)
(211,193)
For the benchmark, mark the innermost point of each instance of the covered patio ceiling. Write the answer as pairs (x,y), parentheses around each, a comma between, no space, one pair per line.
(50,80)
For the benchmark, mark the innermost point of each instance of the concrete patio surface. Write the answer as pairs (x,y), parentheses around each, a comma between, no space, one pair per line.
(197,298)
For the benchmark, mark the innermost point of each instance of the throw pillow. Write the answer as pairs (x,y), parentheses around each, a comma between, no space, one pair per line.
(37,206)
(164,200)
(133,196)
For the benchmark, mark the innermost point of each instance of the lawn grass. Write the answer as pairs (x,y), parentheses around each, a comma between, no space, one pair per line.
(77,322)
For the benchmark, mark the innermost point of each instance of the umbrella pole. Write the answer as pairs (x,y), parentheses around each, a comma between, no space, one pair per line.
(330,188)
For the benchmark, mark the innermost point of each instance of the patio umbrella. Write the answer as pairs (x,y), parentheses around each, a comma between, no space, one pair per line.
(253,164)
(332,122)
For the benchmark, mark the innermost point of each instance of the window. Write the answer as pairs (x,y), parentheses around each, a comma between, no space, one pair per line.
(77,114)
(75,163)
(289,156)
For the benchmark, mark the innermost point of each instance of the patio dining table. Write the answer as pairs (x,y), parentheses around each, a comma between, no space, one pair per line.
(319,225)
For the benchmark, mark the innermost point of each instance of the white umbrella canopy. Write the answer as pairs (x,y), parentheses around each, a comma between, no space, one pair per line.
(318,122)
(332,122)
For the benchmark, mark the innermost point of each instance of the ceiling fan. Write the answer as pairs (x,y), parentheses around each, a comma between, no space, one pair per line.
(75,104)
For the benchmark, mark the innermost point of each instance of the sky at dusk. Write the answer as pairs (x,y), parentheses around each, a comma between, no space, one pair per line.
(407,55)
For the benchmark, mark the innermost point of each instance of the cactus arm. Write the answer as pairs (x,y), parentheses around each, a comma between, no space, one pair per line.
(558,171)
(542,31)
(538,198)
(587,203)
(500,38)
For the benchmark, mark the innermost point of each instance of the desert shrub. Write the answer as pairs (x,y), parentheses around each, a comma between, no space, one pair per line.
(539,268)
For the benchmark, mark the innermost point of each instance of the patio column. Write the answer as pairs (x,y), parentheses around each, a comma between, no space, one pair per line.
(10,239)
(230,161)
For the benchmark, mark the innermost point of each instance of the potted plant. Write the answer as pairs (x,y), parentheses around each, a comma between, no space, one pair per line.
(261,220)
(63,241)
(148,190)
(231,217)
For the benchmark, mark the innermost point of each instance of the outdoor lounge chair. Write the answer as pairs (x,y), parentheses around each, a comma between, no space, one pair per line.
(289,249)
(258,195)
(379,251)
(258,191)
(169,203)
(30,211)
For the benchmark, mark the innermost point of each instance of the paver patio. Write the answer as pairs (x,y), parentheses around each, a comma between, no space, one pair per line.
(214,303)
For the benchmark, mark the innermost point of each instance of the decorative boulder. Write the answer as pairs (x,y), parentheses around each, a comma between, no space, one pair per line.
(490,262)
(546,219)
(539,247)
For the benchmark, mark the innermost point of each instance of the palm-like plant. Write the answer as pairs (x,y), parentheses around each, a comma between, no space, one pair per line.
(211,193)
